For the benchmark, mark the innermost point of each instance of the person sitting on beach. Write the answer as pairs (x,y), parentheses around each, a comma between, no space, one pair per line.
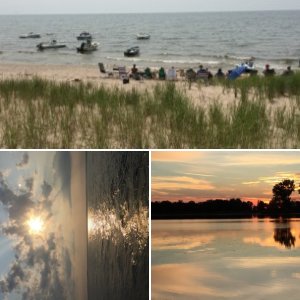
(268,72)
(162,74)
(288,71)
(134,73)
(171,74)
(201,70)
(203,73)
(220,74)
(148,73)
(190,75)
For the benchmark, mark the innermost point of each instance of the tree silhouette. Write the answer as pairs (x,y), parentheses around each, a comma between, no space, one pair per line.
(281,201)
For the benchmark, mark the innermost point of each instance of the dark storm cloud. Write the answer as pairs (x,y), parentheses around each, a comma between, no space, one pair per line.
(24,161)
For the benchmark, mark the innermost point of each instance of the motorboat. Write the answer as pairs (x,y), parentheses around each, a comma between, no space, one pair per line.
(133,51)
(143,36)
(52,45)
(84,36)
(30,35)
(87,46)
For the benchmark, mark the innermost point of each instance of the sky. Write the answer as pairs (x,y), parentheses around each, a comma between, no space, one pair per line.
(203,175)
(134,6)
(41,193)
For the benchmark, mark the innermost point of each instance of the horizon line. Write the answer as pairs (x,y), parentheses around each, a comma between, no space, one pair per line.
(161,12)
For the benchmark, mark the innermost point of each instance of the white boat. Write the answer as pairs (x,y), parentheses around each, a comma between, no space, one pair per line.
(30,35)
(52,45)
(143,36)
(87,46)
(84,36)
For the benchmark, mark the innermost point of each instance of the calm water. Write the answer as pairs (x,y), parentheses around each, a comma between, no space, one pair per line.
(183,40)
(226,259)
(118,244)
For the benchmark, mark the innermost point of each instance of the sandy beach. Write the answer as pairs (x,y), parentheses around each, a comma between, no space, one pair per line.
(141,114)
(199,94)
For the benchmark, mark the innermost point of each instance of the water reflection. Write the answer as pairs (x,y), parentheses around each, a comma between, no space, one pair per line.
(130,229)
(283,234)
(225,259)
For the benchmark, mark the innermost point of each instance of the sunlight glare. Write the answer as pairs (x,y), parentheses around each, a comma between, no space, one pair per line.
(36,225)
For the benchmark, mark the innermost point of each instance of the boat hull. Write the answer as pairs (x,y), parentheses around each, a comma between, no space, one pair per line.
(135,51)
(146,37)
(31,36)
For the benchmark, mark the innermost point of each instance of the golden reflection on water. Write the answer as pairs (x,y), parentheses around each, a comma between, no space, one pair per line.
(230,260)
(120,225)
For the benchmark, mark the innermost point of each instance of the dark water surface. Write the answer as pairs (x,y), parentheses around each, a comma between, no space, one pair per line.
(226,259)
(118,244)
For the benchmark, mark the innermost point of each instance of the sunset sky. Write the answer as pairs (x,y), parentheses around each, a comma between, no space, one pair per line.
(204,175)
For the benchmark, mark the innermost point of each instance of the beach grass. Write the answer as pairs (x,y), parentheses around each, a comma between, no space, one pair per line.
(39,113)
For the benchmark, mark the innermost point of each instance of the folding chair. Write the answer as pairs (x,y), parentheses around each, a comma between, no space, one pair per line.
(103,71)
(123,74)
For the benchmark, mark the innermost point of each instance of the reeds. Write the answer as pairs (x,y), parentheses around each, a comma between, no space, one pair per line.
(36,113)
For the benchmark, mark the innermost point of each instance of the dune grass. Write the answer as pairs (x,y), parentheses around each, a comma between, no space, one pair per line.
(37,113)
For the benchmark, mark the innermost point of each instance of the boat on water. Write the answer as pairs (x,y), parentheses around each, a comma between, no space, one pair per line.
(87,46)
(30,35)
(143,36)
(133,51)
(84,35)
(52,45)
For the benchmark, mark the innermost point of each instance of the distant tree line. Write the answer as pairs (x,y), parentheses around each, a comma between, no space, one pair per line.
(280,205)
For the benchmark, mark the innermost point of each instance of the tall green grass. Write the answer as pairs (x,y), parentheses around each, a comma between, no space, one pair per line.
(38,113)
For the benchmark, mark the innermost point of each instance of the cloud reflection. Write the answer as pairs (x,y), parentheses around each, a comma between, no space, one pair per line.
(186,281)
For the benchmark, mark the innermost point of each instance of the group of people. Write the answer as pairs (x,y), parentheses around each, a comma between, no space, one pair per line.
(162,74)
(270,72)
(203,73)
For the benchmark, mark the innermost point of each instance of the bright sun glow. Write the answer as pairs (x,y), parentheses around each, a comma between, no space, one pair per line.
(36,225)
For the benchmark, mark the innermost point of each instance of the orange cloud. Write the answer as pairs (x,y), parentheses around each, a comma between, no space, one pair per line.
(177,183)
(262,159)
(176,156)
(251,182)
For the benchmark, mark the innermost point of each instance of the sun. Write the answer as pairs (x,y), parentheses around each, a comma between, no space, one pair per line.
(36,225)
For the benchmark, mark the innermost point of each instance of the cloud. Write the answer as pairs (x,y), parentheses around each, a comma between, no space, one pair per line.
(29,183)
(176,156)
(24,161)
(62,169)
(41,266)
(181,182)
(251,182)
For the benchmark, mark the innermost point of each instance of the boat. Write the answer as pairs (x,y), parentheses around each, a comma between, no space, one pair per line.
(52,45)
(87,46)
(30,35)
(133,51)
(143,36)
(84,35)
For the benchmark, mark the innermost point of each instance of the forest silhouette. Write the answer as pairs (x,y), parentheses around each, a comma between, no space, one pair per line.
(281,205)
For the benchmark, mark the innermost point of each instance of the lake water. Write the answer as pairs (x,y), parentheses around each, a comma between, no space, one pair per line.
(226,259)
(118,242)
(181,39)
